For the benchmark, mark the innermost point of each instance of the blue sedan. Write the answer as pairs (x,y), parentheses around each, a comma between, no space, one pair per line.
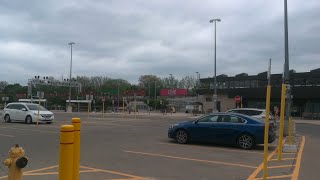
(223,128)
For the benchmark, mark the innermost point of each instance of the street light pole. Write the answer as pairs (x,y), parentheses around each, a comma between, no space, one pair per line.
(197,80)
(171,81)
(286,73)
(171,87)
(286,63)
(197,83)
(215,96)
(70,43)
(118,96)
(155,95)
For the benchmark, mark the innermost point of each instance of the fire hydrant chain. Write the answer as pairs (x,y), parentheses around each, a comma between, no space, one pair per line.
(16,162)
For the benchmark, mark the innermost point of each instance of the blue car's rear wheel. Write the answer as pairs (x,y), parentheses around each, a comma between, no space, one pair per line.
(246,141)
(182,136)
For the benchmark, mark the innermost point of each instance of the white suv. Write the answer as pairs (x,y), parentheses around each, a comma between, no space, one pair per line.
(27,112)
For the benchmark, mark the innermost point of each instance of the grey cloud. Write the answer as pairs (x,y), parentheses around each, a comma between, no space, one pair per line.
(126,39)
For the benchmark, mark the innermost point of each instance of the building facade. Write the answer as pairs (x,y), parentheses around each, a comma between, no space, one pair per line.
(305,90)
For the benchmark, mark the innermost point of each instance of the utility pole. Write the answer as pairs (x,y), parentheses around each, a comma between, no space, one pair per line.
(286,79)
(215,96)
(70,43)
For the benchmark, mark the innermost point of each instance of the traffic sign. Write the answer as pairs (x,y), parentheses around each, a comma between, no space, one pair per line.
(237,99)
(103,99)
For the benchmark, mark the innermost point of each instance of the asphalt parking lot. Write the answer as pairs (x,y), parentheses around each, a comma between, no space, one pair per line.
(129,147)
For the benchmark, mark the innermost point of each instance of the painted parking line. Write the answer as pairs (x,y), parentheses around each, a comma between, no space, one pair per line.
(276,177)
(112,172)
(296,165)
(126,179)
(7,135)
(191,159)
(85,169)
(22,129)
(108,124)
(256,172)
(283,166)
(282,159)
(295,174)
(212,148)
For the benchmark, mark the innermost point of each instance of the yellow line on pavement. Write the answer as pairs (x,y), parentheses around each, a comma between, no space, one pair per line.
(112,172)
(212,148)
(295,173)
(40,174)
(42,169)
(192,159)
(54,132)
(283,166)
(289,153)
(283,159)
(108,124)
(6,135)
(276,177)
(255,173)
(128,179)
(53,173)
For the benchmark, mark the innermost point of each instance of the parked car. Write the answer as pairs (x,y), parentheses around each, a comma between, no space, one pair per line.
(224,128)
(253,112)
(27,112)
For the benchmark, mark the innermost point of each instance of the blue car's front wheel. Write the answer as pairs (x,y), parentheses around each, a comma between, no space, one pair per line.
(182,136)
(246,141)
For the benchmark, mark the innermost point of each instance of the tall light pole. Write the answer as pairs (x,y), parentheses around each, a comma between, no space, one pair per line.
(171,81)
(197,79)
(70,43)
(197,83)
(171,87)
(118,96)
(155,95)
(286,73)
(215,96)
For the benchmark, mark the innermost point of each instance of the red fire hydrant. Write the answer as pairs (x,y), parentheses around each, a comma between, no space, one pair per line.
(16,162)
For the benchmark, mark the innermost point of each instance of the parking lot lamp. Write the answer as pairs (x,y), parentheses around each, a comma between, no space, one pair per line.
(70,43)
(214,109)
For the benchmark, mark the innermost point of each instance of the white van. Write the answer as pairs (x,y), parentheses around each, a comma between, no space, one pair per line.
(27,112)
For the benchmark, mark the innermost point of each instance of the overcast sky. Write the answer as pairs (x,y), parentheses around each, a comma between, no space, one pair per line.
(128,38)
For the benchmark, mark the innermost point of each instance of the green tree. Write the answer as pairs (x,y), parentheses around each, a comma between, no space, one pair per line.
(150,83)
(3,84)
(170,82)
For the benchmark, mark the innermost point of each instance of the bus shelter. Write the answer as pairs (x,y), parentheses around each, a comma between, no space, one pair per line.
(79,105)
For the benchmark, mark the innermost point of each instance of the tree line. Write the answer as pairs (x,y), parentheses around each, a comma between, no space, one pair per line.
(99,86)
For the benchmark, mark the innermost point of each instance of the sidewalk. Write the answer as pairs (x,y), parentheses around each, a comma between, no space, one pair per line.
(144,113)
(305,121)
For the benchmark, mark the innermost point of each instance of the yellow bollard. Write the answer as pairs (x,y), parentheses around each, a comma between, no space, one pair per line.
(66,152)
(266,134)
(76,148)
(282,109)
